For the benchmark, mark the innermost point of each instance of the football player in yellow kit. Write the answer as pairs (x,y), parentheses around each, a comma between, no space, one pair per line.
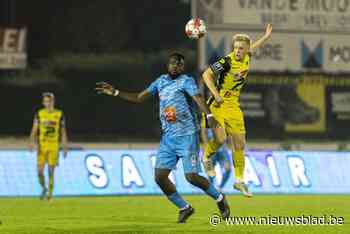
(47,131)
(225,79)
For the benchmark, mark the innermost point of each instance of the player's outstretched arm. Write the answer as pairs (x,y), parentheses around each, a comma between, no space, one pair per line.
(262,40)
(209,77)
(105,88)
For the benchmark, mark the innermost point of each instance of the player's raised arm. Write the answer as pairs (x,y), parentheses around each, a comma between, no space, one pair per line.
(105,88)
(34,133)
(255,45)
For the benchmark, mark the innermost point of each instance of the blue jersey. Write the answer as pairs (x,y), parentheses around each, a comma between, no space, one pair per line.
(178,113)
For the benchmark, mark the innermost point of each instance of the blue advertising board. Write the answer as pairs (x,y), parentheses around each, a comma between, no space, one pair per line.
(114,172)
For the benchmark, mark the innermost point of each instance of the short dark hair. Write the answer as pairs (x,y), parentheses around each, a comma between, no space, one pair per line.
(177,55)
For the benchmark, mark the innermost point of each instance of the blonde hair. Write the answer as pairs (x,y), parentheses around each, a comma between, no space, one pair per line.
(241,37)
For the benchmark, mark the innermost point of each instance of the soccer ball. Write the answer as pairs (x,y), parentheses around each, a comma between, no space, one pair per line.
(195,28)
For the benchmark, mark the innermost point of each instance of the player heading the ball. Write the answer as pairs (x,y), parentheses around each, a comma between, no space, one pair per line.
(225,79)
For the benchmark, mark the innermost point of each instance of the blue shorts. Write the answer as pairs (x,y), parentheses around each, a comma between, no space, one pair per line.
(173,148)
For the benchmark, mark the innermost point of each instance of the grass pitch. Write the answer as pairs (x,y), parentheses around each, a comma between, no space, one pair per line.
(154,214)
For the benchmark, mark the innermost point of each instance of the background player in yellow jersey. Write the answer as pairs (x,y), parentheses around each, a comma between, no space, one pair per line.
(47,131)
(225,79)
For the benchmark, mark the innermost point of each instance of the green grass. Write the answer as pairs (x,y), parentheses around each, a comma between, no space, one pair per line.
(154,214)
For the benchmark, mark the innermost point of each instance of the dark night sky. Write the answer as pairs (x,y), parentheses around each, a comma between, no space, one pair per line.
(84,26)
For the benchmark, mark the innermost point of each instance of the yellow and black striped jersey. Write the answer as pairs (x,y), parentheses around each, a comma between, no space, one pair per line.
(231,75)
(50,124)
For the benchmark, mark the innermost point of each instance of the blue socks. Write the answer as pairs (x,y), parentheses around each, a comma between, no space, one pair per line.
(178,201)
(211,179)
(225,177)
(213,192)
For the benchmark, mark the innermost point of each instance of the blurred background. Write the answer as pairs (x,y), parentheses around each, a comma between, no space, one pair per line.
(296,105)
(298,90)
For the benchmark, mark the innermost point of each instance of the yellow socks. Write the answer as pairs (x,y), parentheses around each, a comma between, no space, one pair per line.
(238,160)
(50,184)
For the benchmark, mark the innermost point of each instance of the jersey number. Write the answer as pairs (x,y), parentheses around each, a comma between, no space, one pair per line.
(50,131)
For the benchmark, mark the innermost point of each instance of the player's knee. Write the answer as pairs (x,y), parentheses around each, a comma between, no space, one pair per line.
(40,170)
(220,141)
(160,179)
(239,145)
(191,178)
(161,176)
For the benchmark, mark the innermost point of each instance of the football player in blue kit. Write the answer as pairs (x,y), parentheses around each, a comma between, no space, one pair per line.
(179,98)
